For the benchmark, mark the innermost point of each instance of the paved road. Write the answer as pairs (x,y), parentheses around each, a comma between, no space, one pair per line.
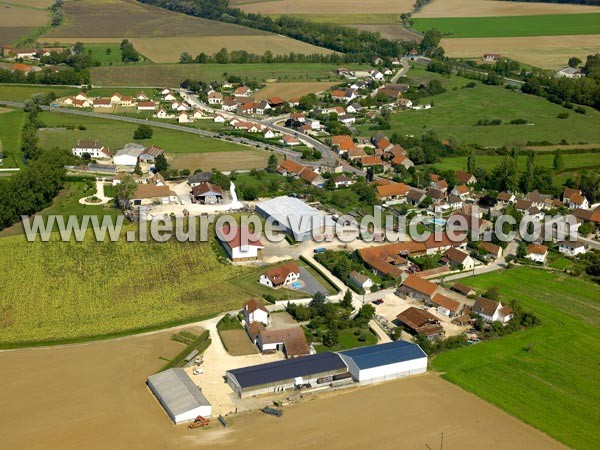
(402,72)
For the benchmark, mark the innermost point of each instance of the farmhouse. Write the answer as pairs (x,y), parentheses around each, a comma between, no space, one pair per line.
(458,259)
(492,311)
(445,305)
(283,375)
(150,154)
(92,148)
(418,321)
(537,253)
(240,243)
(342,181)
(197,178)
(279,276)
(151,193)
(146,106)
(463,289)
(255,311)
(377,363)
(493,250)
(181,399)
(391,259)
(297,219)
(571,248)
(491,57)
(215,98)
(573,198)
(207,193)
(418,288)
(465,177)
(290,341)
(505,198)
(361,281)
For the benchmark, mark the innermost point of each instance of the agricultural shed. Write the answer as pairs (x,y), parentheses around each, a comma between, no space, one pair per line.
(281,375)
(181,399)
(385,362)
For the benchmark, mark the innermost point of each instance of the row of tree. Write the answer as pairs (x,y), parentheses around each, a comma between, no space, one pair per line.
(224,56)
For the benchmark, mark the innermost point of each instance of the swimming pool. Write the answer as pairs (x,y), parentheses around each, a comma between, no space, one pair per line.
(296,284)
(438,222)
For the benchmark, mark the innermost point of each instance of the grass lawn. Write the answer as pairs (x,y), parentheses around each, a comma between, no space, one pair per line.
(21,93)
(455,113)
(348,340)
(109,59)
(508,26)
(555,386)
(115,135)
(10,138)
(249,284)
(173,74)
(67,291)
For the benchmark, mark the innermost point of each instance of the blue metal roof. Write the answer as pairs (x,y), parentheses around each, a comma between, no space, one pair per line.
(384,354)
(287,369)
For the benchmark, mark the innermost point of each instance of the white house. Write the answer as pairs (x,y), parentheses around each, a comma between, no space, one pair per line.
(537,253)
(182,117)
(571,248)
(377,75)
(146,106)
(347,119)
(215,98)
(268,134)
(459,259)
(240,243)
(219,119)
(128,155)
(385,362)
(492,311)
(255,311)
(169,97)
(162,113)
(282,275)
(81,96)
(115,98)
(445,305)
(362,281)
(92,148)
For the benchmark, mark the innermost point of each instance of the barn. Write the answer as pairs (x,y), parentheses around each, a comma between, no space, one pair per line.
(281,375)
(181,399)
(385,362)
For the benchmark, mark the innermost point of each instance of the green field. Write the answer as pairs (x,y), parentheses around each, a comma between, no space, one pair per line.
(348,340)
(455,113)
(347,19)
(60,291)
(173,74)
(554,385)
(99,54)
(511,26)
(10,138)
(115,135)
(19,93)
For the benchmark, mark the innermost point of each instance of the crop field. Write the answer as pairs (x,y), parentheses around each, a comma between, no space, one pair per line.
(99,53)
(11,123)
(455,113)
(221,160)
(18,93)
(319,7)
(512,26)
(545,376)
(487,8)
(14,15)
(168,50)
(36,4)
(173,74)
(291,90)
(115,135)
(549,52)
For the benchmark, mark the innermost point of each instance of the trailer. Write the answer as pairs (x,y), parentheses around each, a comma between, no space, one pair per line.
(272,411)
(199,422)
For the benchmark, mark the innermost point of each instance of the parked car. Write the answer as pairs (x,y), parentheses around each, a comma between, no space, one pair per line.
(319,250)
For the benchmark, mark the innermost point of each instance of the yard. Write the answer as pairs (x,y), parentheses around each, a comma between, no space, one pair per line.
(249,284)
(547,375)
(237,342)
(20,93)
(350,338)
(10,138)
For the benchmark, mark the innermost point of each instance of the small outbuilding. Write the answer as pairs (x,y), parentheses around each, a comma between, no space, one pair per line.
(181,399)
(385,362)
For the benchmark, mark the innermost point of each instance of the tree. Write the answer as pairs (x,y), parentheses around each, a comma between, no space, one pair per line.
(471,163)
(185,58)
(222,57)
(331,338)
(143,132)
(161,165)
(397,334)
(558,164)
(347,300)
(272,163)
(522,250)
(318,299)
(574,62)
(138,168)
(493,293)
(431,40)
(124,191)
(365,313)
(528,177)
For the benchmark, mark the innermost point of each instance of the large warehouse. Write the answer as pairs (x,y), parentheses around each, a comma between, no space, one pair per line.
(287,374)
(179,396)
(385,362)
(299,220)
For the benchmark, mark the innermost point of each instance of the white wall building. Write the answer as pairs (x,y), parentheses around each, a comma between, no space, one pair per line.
(92,148)
(571,248)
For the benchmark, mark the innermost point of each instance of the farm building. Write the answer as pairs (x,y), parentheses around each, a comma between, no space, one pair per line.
(128,155)
(290,341)
(281,375)
(207,193)
(240,243)
(181,399)
(297,219)
(93,148)
(418,321)
(385,362)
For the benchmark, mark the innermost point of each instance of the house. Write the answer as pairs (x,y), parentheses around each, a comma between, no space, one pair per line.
(197,178)
(115,99)
(419,288)
(445,305)
(207,193)
(282,275)
(290,141)
(505,198)
(492,311)
(458,259)
(465,177)
(571,248)
(102,103)
(229,104)
(198,113)
(377,61)
(404,103)
(492,250)
(573,198)
(162,113)
(23,68)
(268,133)
(183,117)
(165,91)
(24,53)
(537,253)
(146,106)
(126,100)
(395,61)
(392,191)
(146,194)
(461,191)
(312,177)
(402,160)
(347,119)
(376,75)
(415,196)
(454,202)
(142,97)
(438,196)
(92,148)
(74,102)
(169,97)
(353,108)
(391,260)
(371,161)
(491,57)
(342,181)
(463,289)
(255,311)
(290,341)
(215,98)
(342,143)
(219,119)
(128,155)
(475,225)
(240,243)
(569,72)
(418,321)
(361,281)
(290,168)
(275,102)
(242,91)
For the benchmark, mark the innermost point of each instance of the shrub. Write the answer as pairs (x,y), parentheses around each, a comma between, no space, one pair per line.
(563,115)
